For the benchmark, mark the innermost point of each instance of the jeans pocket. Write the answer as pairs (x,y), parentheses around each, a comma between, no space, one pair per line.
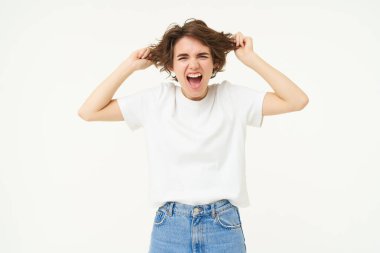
(229,218)
(160,217)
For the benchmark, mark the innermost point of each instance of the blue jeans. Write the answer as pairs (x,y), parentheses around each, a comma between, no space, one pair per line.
(181,228)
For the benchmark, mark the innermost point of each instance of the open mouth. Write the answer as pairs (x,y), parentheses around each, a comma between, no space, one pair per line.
(194,82)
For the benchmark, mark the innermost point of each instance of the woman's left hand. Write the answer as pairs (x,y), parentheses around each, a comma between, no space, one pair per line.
(245,47)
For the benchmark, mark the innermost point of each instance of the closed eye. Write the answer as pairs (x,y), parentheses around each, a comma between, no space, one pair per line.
(199,56)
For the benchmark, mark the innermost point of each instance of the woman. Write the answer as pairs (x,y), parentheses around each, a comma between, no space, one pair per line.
(195,133)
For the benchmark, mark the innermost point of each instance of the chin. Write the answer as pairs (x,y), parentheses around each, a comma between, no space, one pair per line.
(196,94)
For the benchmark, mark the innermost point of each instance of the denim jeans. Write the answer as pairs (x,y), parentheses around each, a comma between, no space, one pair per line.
(181,228)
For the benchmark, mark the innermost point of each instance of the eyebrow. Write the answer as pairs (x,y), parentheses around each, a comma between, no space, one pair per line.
(203,53)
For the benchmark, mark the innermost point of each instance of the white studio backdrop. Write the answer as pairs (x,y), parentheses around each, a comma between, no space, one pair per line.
(67,185)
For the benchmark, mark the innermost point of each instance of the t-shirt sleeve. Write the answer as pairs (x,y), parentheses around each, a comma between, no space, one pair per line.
(249,103)
(133,108)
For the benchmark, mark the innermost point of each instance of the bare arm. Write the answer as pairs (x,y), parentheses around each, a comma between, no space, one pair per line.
(101,97)
(287,96)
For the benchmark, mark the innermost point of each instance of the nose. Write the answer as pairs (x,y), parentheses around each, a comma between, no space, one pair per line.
(193,63)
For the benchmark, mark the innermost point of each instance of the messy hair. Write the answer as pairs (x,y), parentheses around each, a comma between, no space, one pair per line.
(220,44)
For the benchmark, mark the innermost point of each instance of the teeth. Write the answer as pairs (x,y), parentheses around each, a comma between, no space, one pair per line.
(194,75)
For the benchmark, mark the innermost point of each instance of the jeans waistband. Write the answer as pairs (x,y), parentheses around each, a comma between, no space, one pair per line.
(213,208)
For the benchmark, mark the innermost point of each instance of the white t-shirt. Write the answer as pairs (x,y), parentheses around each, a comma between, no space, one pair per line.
(196,149)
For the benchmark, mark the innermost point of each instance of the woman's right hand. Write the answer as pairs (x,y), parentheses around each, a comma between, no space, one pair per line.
(138,60)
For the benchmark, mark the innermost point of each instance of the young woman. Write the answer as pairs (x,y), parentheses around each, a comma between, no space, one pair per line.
(195,133)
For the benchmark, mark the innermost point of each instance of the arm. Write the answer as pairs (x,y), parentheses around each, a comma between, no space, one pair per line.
(287,96)
(101,97)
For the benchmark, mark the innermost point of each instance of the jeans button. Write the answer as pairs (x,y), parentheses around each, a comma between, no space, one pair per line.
(196,211)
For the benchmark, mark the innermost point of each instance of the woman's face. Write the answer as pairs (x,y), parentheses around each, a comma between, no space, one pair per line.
(192,57)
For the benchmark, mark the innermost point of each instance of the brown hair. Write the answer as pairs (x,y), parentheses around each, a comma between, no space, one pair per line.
(220,44)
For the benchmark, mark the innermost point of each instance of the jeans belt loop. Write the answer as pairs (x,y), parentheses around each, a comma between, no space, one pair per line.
(170,209)
(213,210)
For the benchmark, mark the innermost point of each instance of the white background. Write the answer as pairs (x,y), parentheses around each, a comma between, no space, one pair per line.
(67,185)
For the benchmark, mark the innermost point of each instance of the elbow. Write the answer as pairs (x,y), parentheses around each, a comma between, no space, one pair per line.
(83,115)
(302,103)
(299,104)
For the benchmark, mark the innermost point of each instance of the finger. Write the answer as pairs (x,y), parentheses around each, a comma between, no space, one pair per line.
(142,52)
(248,42)
(242,39)
(241,42)
(147,51)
